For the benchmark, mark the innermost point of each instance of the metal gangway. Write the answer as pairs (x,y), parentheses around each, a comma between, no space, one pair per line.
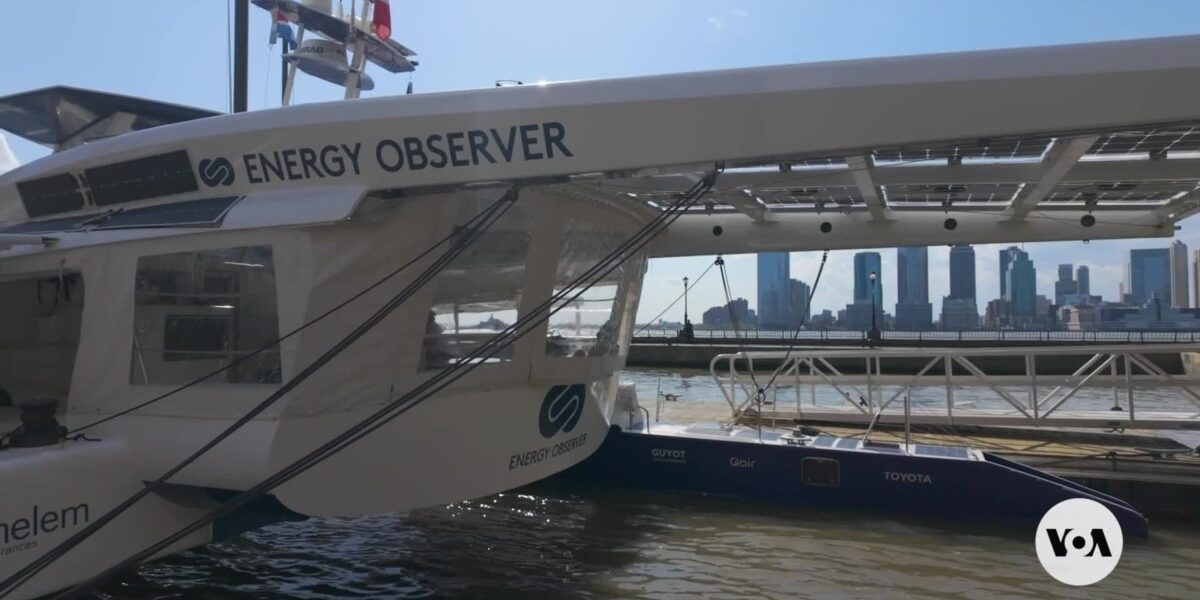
(1116,386)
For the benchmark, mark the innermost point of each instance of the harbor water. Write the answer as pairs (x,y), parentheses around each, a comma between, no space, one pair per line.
(564,540)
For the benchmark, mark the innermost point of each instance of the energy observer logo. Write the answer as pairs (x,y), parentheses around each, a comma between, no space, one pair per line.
(216,171)
(561,409)
(1079,541)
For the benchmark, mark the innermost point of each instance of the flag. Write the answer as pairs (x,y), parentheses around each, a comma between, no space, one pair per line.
(283,29)
(381,18)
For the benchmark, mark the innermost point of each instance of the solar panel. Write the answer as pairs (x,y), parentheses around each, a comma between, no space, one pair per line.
(825,441)
(943,451)
(983,149)
(847,443)
(1101,192)
(956,194)
(50,195)
(47,226)
(1152,141)
(142,178)
(194,213)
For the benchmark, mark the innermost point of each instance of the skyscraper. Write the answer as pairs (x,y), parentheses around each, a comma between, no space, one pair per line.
(1179,275)
(1022,286)
(774,290)
(1066,289)
(913,310)
(866,263)
(1196,279)
(858,313)
(962,271)
(799,312)
(1006,257)
(959,310)
(1149,275)
(1083,280)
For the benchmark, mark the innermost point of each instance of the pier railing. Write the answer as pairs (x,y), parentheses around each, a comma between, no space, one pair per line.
(783,385)
(999,335)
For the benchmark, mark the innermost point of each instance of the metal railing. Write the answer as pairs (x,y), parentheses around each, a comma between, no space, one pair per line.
(999,335)
(890,375)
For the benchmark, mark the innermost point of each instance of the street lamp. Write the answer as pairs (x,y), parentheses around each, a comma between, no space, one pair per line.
(687,333)
(873,334)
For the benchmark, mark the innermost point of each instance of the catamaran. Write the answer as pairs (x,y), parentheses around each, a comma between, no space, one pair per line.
(386,303)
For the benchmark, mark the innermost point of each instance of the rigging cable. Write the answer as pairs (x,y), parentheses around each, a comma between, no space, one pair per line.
(676,301)
(492,214)
(274,343)
(444,378)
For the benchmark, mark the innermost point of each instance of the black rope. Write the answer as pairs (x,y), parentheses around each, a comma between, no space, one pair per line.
(492,214)
(443,379)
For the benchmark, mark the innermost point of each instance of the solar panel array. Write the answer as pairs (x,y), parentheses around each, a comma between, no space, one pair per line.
(942,451)
(980,174)
(1152,141)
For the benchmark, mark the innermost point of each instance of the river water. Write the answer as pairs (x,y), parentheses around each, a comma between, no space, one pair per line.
(559,540)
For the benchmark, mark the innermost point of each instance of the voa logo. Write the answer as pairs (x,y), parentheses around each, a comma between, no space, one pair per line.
(561,409)
(1079,541)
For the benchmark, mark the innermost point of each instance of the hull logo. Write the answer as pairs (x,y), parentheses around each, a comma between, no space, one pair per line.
(907,477)
(216,171)
(561,409)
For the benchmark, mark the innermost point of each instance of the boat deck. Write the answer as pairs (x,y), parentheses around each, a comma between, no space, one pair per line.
(1156,472)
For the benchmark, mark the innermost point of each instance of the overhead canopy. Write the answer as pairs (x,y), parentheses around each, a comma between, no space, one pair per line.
(61,117)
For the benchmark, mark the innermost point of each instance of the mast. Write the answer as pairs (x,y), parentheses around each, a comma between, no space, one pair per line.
(241,54)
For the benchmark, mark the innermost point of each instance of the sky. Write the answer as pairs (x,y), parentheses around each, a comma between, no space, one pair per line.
(139,47)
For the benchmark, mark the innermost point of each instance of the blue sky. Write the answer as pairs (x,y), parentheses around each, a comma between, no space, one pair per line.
(176,51)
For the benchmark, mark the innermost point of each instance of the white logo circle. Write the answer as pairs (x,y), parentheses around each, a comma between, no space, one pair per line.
(1079,541)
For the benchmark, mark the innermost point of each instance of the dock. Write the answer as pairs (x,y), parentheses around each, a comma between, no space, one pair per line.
(1104,423)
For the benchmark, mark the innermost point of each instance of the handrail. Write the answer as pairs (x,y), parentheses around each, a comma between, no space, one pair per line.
(1123,368)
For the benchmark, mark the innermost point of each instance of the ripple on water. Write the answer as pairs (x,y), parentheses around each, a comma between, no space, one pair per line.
(555,541)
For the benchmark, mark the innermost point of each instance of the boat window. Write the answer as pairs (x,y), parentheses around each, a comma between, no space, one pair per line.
(824,472)
(587,325)
(478,293)
(196,312)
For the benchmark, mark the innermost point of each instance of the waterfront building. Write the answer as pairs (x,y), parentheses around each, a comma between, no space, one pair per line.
(1006,256)
(1179,275)
(858,312)
(959,314)
(1022,286)
(1083,280)
(774,290)
(719,316)
(1149,275)
(959,310)
(913,309)
(1065,288)
(799,312)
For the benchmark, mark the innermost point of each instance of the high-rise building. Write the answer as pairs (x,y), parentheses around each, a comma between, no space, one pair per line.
(1149,275)
(1066,289)
(1006,256)
(1179,275)
(858,313)
(1022,286)
(959,310)
(1083,280)
(1196,280)
(866,263)
(774,290)
(800,312)
(962,271)
(913,310)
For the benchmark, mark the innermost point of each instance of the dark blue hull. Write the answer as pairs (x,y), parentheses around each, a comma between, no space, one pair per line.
(995,489)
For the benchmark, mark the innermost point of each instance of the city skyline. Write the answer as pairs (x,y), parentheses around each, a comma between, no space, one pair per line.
(1105,264)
